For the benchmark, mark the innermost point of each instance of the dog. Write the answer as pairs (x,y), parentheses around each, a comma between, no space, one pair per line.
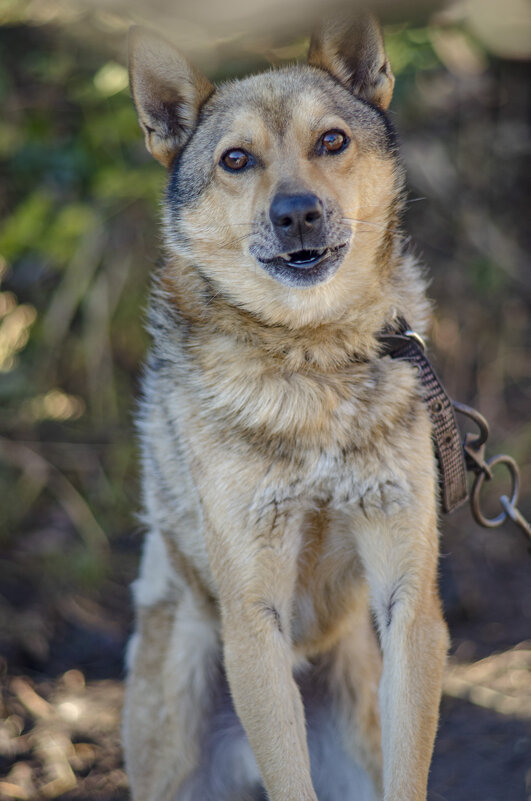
(289,640)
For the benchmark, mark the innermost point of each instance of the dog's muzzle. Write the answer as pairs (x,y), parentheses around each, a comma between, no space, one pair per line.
(297,219)
(304,268)
(299,253)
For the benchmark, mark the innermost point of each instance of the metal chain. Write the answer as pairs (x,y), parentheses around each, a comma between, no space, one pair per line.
(400,342)
(474,447)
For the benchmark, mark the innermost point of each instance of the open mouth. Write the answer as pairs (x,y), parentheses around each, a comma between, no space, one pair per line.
(302,259)
(307,267)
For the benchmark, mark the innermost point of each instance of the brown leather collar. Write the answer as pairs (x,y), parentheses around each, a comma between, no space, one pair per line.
(403,343)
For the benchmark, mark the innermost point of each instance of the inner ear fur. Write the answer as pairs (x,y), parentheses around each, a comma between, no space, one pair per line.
(352,50)
(168,93)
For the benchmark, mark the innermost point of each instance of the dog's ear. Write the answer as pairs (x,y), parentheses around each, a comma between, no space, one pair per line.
(168,93)
(352,50)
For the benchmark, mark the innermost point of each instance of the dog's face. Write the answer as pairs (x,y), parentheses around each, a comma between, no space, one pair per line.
(282,184)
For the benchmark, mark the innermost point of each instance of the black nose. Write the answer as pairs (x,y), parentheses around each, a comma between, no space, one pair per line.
(296,215)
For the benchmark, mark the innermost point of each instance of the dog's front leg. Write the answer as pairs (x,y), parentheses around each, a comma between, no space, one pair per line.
(255,572)
(401,564)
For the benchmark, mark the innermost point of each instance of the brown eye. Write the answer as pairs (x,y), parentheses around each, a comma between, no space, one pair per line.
(236,159)
(333,142)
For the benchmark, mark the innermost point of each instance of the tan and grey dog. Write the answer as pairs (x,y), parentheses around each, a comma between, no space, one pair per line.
(289,641)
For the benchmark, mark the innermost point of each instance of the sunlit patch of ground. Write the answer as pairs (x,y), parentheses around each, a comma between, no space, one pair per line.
(61,739)
(483,750)
(501,682)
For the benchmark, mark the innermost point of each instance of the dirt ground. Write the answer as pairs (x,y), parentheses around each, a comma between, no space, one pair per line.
(60,736)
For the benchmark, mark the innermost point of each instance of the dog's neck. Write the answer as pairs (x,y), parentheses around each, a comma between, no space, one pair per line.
(324,345)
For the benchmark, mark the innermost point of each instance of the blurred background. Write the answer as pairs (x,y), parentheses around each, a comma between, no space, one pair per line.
(79,200)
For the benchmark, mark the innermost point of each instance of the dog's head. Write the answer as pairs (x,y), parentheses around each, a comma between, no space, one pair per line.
(282,186)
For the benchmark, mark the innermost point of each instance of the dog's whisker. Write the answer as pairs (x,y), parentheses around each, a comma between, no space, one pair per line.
(212,298)
(238,239)
(364,222)
(373,225)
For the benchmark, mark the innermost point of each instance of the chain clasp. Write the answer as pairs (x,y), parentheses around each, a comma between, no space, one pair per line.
(474,446)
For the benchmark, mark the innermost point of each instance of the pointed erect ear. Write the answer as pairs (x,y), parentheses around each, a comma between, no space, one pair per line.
(352,50)
(168,93)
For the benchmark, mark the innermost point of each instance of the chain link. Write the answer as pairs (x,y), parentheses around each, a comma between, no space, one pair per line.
(474,446)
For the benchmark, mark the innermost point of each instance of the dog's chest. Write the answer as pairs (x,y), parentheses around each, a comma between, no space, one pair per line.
(336,439)
(372,479)
(289,412)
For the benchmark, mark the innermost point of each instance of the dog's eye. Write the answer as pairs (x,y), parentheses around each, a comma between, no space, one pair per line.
(333,142)
(235,160)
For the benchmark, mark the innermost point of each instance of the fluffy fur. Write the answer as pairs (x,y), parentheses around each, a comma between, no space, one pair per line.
(289,629)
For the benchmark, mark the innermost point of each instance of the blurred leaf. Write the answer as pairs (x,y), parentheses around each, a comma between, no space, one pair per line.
(70,224)
(23,230)
(111,78)
(486,276)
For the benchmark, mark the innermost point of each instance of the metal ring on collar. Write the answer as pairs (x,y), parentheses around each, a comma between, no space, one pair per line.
(512,467)
(415,337)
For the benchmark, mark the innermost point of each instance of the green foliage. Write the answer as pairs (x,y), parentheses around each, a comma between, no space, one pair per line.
(78,239)
(410,50)
(486,276)
(77,233)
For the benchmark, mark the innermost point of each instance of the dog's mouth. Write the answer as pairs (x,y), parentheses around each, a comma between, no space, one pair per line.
(303,259)
(306,267)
